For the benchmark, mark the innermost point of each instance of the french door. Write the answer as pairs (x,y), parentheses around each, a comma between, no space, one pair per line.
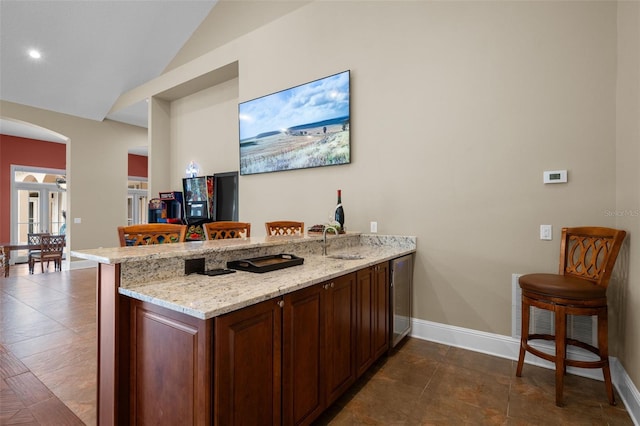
(37,205)
(39,210)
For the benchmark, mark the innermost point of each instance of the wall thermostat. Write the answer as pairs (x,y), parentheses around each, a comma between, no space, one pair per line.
(555,176)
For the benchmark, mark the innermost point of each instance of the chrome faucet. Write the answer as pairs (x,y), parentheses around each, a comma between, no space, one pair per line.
(324,237)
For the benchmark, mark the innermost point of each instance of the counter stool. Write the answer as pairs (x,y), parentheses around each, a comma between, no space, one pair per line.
(151,233)
(587,258)
(284,227)
(226,229)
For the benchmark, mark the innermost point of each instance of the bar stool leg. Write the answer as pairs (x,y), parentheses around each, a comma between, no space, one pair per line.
(524,336)
(603,348)
(561,351)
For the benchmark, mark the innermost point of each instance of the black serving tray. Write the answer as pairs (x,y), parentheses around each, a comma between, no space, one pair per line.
(266,263)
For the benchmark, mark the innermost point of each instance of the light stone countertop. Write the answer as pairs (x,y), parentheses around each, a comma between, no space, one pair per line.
(112,255)
(205,297)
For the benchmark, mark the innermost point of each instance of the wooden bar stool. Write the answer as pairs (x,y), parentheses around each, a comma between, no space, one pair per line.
(284,227)
(226,229)
(587,258)
(152,233)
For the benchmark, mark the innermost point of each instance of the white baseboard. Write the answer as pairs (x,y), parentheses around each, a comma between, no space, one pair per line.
(626,389)
(509,347)
(78,264)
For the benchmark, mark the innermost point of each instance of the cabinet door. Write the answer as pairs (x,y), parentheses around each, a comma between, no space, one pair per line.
(380,339)
(372,313)
(171,367)
(340,334)
(302,358)
(364,319)
(247,365)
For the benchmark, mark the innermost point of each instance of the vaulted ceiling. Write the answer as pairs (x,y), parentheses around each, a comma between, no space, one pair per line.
(92,52)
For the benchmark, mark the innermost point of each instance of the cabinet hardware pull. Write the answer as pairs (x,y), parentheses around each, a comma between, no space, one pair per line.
(281,303)
(332,285)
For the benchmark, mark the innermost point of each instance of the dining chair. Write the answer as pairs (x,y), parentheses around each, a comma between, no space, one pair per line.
(51,249)
(34,241)
(226,229)
(284,227)
(152,233)
(587,258)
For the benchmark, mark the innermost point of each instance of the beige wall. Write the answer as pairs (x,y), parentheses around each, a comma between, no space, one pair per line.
(219,28)
(457,109)
(96,171)
(628,182)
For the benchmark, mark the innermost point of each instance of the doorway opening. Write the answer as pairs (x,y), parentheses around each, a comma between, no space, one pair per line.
(38,204)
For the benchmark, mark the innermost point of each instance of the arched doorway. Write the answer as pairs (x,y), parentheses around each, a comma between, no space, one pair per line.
(31,171)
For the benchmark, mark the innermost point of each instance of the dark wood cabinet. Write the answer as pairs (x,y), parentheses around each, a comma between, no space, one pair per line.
(302,355)
(247,365)
(372,315)
(340,336)
(170,367)
(316,361)
(281,361)
(318,348)
(380,339)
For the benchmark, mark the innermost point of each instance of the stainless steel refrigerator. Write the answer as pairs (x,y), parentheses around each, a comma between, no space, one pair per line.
(401,297)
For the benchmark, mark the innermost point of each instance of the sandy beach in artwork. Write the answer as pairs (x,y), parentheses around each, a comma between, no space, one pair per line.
(294,149)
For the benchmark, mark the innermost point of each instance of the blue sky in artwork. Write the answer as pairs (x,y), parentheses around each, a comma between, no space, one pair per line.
(318,100)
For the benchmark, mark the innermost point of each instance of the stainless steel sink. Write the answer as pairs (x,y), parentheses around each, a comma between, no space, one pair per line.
(346,256)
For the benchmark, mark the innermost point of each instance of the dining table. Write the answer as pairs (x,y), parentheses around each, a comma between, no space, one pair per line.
(5,249)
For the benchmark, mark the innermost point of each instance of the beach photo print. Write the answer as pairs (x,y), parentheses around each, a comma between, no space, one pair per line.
(301,127)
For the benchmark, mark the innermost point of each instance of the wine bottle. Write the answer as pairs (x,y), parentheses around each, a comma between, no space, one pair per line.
(339,216)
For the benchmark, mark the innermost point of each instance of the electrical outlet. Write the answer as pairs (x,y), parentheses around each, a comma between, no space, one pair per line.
(546,232)
(374,227)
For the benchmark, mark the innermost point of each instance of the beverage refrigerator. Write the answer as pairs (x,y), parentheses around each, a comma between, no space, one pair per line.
(401,298)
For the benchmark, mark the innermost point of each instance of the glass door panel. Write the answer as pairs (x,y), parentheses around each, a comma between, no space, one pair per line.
(136,207)
(130,207)
(142,208)
(29,208)
(56,213)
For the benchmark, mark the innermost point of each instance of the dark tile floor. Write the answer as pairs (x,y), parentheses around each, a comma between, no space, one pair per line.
(48,371)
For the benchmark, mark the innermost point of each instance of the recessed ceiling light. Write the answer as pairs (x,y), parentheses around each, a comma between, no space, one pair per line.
(35,54)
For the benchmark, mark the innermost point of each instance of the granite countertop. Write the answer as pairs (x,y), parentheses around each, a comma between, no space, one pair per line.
(204,297)
(156,273)
(113,255)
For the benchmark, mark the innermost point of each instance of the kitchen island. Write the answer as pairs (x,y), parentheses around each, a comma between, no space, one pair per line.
(275,348)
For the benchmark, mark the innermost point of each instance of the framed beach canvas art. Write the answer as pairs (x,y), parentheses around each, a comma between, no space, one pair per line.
(300,127)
